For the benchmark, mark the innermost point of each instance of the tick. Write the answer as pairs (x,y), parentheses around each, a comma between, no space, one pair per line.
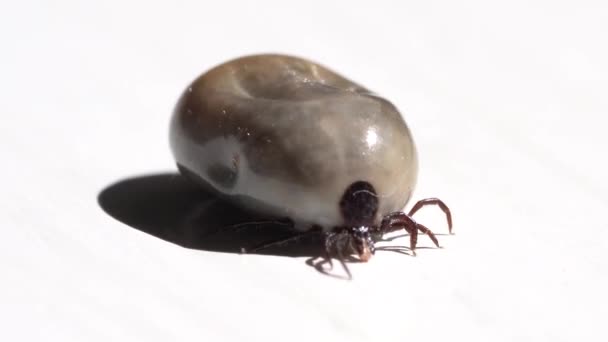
(290,138)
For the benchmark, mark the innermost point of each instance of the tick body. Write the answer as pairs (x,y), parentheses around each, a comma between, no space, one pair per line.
(288,137)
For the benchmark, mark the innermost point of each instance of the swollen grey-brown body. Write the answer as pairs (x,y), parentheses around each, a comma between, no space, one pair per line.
(287,137)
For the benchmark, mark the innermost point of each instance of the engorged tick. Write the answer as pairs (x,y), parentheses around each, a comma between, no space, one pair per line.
(319,149)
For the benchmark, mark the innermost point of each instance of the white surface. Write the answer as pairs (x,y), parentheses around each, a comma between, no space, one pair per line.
(507,103)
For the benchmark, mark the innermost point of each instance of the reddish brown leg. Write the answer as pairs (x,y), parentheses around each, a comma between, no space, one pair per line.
(398,220)
(413,237)
(433,201)
(428,232)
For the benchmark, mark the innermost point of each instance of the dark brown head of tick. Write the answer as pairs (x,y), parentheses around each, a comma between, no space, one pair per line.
(358,207)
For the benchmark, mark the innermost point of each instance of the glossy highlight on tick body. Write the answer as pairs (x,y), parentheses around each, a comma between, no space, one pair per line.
(290,138)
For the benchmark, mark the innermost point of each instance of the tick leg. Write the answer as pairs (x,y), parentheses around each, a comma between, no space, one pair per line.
(240,226)
(428,232)
(398,220)
(339,242)
(281,242)
(433,201)
(413,237)
(329,243)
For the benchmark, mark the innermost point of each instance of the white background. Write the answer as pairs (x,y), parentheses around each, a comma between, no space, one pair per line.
(507,102)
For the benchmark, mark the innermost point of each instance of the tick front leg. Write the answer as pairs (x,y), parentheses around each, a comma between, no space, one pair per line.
(398,220)
(281,242)
(337,242)
(433,201)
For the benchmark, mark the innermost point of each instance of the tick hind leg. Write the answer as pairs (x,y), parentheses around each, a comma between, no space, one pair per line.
(433,201)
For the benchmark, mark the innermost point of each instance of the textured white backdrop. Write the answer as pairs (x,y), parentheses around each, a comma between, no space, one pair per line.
(507,102)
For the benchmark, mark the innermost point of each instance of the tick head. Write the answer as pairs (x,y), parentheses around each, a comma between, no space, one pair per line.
(358,206)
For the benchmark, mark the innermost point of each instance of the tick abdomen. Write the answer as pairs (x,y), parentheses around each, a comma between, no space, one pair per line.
(286,136)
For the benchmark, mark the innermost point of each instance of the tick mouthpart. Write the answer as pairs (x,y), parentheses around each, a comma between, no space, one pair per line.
(365,254)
